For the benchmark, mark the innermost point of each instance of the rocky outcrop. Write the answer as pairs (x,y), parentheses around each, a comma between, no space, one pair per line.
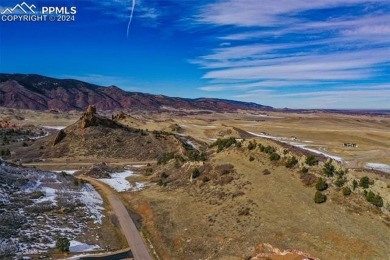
(89,117)
(95,136)
(60,135)
(99,170)
(6,124)
(120,116)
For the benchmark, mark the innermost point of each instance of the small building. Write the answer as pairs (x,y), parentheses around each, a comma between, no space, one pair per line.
(350,145)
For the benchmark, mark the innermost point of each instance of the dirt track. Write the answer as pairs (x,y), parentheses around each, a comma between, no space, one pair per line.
(137,245)
(43,164)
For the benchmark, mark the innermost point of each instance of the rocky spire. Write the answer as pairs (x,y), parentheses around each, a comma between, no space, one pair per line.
(89,117)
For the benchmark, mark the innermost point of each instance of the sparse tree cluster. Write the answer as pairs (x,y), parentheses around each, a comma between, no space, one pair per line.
(165,157)
(364,182)
(5,152)
(195,155)
(321,185)
(319,197)
(291,162)
(63,244)
(346,191)
(311,160)
(374,199)
(223,143)
(195,173)
(274,156)
(267,149)
(252,145)
(329,169)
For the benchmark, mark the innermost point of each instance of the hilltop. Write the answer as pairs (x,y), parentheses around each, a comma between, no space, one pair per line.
(98,137)
(36,92)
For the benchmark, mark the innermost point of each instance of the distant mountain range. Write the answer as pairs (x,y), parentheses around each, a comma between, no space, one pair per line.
(36,92)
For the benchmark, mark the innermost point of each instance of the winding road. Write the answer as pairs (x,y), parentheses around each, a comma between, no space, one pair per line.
(133,237)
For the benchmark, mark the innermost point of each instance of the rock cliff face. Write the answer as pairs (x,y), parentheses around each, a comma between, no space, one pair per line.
(29,91)
(89,117)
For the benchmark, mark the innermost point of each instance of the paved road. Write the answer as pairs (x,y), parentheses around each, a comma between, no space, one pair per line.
(137,245)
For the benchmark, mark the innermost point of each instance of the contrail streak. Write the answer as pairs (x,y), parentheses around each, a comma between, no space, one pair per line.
(131,17)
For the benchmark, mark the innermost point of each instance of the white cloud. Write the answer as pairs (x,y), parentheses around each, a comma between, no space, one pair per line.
(341,98)
(264,13)
(121,9)
(264,83)
(280,48)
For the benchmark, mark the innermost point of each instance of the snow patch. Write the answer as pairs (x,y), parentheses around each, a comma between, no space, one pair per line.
(50,195)
(191,144)
(39,137)
(93,201)
(54,127)
(76,246)
(70,172)
(299,145)
(378,166)
(303,146)
(119,183)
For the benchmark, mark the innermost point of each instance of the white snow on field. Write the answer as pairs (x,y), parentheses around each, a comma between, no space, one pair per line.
(378,166)
(191,144)
(78,256)
(70,172)
(4,198)
(54,127)
(303,146)
(118,182)
(299,145)
(93,201)
(215,139)
(76,246)
(50,195)
(39,137)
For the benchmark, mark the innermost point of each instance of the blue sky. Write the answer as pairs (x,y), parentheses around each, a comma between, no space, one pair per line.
(297,54)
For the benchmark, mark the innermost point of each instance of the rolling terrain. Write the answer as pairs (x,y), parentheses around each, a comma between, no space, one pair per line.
(35,92)
(100,138)
(200,198)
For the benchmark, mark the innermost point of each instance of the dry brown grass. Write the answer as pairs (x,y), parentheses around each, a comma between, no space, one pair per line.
(228,222)
(214,221)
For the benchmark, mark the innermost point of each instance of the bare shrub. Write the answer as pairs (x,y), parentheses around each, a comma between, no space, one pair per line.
(36,194)
(266,172)
(67,201)
(308,179)
(223,169)
(41,207)
(225,180)
(7,248)
(10,223)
